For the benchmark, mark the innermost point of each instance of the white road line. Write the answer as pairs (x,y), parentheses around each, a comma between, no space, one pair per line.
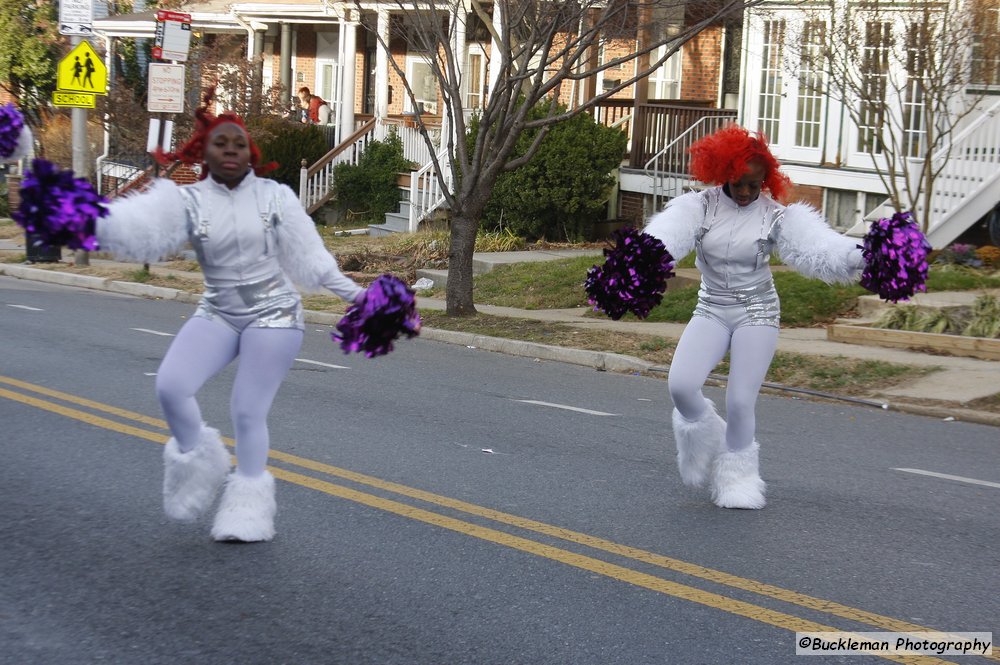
(30,309)
(567,408)
(316,362)
(152,332)
(961,479)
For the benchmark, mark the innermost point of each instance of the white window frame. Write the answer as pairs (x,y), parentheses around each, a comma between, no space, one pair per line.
(430,106)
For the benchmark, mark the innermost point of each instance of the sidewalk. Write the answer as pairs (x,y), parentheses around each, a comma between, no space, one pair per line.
(960,380)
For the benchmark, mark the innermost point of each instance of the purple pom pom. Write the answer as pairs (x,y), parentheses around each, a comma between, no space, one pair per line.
(896,255)
(11,124)
(60,209)
(386,310)
(633,277)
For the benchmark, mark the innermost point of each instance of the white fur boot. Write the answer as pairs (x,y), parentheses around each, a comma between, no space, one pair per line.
(736,481)
(246,512)
(699,442)
(192,479)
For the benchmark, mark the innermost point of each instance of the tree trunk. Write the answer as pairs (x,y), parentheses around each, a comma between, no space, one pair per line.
(463,244)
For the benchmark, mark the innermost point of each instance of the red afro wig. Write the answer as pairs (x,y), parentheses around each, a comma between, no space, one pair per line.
(725,156)
(193,152)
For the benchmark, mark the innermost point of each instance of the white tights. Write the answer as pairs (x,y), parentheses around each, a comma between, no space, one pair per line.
(702,345)
(201,350)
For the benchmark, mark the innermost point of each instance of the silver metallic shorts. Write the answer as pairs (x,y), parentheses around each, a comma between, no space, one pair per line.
(756,305)
(270,303)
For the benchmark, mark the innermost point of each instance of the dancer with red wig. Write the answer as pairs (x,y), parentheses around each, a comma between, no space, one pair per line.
(252,239)
(734,227)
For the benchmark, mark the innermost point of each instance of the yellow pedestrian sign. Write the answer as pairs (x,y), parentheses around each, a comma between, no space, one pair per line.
(82,70)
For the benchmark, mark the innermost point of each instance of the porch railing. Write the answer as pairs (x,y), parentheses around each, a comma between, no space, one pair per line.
(316,185)
(657,125)
(426,194)
(965,190)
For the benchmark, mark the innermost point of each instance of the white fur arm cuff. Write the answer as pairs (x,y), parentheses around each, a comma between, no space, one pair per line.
(302,254)
(677,225)
(147,226)
(808,244)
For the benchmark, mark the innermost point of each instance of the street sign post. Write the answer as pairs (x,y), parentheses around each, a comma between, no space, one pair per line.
(80,100)
(172,39)
(82,70)
(76,17)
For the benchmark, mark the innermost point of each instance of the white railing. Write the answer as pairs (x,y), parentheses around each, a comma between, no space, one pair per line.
(973,168)
(316,182)
(414,146)
(967,187)
(426,194)
(669,167)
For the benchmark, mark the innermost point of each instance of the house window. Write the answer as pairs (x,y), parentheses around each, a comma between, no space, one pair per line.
(914,132)
(874,78)
(665,82)
(421,77)
(475,78)
(770,78)
(808,118)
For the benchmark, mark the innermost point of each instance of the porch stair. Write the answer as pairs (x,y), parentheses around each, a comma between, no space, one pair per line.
(668,170)
(966,190)
(422,195)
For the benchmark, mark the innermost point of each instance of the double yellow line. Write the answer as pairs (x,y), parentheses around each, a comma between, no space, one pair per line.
(591,564)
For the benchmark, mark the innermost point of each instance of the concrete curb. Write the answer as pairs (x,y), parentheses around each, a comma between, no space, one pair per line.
(599,360)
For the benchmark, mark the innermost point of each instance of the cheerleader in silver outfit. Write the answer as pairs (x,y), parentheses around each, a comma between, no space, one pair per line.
(253,239)
(734,228)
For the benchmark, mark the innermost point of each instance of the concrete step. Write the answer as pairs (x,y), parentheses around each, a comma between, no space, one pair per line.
(439,277)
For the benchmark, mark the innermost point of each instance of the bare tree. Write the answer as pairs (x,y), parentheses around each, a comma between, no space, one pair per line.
(909,76)
(538,47)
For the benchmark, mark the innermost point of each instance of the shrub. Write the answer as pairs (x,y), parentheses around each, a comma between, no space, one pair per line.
(989,255)
(985,320)
(371,186)
(959,254)
(562,191)
(287,143)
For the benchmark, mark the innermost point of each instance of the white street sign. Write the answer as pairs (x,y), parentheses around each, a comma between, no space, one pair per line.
(76,17)
(165,93)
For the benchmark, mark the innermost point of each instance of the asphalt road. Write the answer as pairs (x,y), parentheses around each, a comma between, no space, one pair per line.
(448,505)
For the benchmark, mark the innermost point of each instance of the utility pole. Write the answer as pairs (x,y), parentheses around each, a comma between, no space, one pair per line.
(81,155)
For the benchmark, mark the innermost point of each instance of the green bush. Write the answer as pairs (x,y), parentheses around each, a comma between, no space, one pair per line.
(563,190)
(371,186)
(287,143)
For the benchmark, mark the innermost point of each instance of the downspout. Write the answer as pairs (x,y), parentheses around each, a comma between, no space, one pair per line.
(99,162)
(723,67)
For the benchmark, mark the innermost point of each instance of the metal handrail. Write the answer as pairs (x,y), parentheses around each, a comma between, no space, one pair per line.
(674,159)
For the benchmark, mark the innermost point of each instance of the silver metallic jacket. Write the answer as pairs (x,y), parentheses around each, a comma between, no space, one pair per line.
(734,244)
(251,241)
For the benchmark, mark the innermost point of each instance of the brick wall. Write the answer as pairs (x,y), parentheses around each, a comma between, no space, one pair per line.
(630,207)
(810,194)
(701,65)
(305,59)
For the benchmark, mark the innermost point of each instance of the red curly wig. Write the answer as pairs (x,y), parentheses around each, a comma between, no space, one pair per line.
(725,156)
(193,152)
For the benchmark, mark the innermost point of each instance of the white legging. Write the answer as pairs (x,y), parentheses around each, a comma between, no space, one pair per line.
(201,350)
(702,345)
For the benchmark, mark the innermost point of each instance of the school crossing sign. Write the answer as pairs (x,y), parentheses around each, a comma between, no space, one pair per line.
(82,70)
